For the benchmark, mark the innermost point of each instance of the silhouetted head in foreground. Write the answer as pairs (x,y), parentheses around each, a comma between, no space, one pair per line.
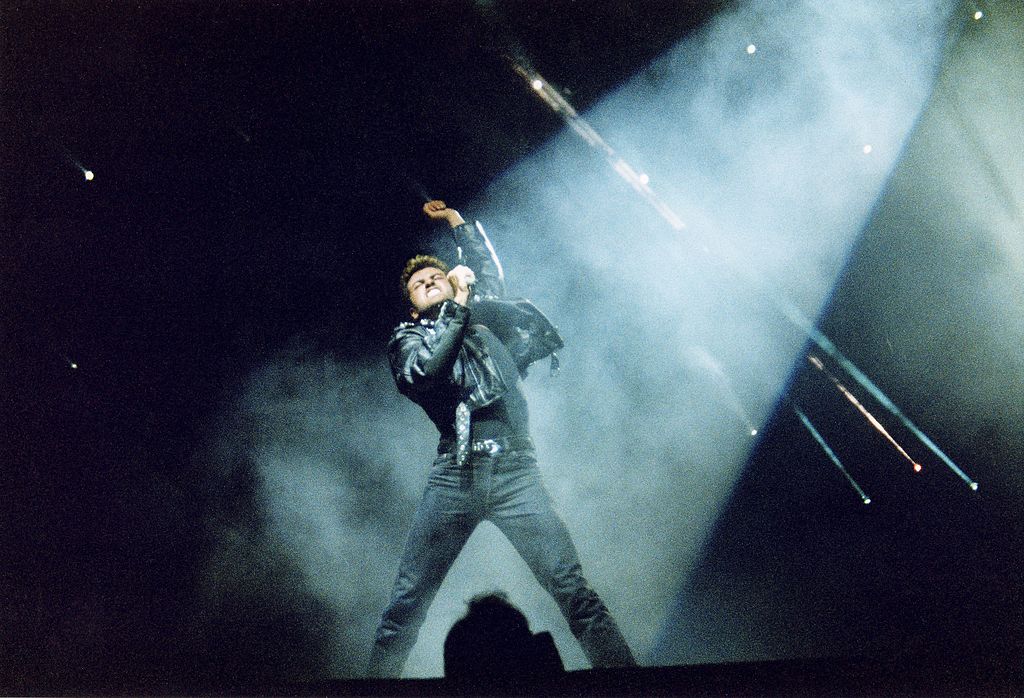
(493,643)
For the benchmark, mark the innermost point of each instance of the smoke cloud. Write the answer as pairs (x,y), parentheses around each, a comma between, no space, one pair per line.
(673,346)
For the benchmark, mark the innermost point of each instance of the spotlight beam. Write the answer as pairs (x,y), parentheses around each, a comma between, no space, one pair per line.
(569,115)
(817,363)
(831,454)
(702,359)
(826,345)
(559,105)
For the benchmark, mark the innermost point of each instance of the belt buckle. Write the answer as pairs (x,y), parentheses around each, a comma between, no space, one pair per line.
(490,447)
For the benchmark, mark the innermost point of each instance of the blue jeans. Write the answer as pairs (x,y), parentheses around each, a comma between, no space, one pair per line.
(506,489)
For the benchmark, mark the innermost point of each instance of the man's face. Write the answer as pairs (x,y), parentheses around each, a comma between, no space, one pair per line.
(428,287)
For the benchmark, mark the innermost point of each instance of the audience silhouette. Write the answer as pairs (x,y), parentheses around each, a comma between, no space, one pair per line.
(492,644)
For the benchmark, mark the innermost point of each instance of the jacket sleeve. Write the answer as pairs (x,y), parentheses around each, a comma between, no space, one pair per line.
(421,358)
(482,259)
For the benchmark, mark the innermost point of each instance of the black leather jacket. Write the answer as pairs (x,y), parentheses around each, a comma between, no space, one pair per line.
(437,364)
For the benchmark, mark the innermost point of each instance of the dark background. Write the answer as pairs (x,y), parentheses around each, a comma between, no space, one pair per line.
(260,169)
(259,172)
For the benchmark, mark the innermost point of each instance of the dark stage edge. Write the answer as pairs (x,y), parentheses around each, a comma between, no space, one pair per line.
(953,675)
(822,677)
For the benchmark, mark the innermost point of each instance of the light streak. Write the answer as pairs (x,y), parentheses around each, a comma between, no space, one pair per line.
(826,345)
(701,358)
(86,172)
(817,363)
(559,105)
(831,454)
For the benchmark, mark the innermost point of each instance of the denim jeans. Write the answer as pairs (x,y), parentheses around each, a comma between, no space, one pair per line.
(506,489)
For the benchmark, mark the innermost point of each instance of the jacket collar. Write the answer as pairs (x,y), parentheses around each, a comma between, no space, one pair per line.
(425,322)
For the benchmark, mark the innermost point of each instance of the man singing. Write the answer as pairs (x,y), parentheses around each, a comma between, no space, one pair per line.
(461,360)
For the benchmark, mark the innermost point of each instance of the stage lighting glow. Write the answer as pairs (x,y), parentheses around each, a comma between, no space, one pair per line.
(751,49)
(974,486)
(867,149)
(699,358)
(867,500)
(89,176)
(644,179)
(572,119)
(826,345)
(708,149)
(830,453)
(74,365)
(863,410)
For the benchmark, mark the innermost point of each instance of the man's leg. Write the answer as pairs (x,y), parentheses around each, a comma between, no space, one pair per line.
(523,512)
(442,524)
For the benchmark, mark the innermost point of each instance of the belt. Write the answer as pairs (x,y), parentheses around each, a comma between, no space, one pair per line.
(491,447)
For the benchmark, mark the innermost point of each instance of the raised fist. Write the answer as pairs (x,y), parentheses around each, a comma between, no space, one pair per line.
(437,210)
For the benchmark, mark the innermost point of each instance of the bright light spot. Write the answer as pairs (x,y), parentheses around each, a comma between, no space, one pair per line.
(538,84)
(74,365)
(868,149)
(979,14)
(753,432)
(88,175)
(751,49)
(644,179)
(867,500)
(974,486)
(917,467)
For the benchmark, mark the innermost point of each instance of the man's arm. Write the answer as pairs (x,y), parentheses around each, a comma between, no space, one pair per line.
(421,357)
(438,210)
(490,279)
